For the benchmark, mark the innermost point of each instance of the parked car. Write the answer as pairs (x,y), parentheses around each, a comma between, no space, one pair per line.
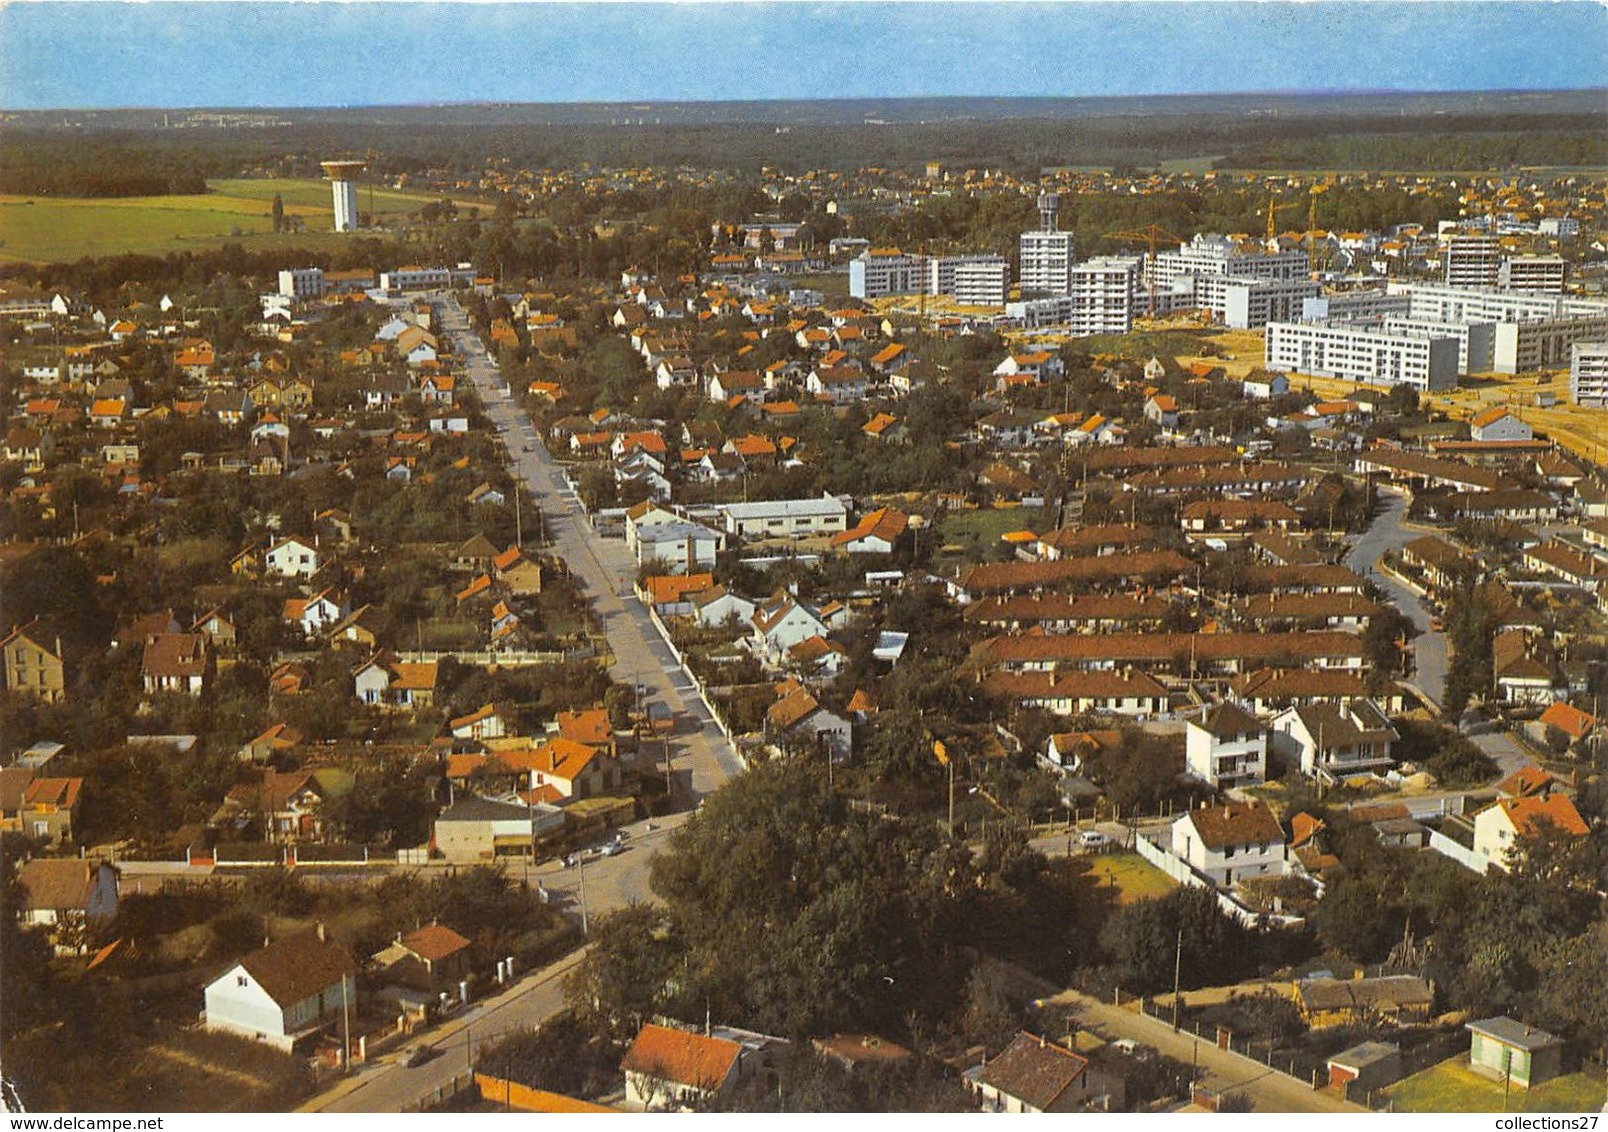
(418,1055)
(1093,839)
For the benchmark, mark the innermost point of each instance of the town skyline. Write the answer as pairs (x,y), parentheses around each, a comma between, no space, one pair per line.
(360,54)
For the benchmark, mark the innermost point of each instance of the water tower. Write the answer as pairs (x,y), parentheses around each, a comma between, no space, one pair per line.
(1049,206)
(342,176)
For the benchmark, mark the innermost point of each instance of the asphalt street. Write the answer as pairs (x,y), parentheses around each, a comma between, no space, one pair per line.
(1387,533)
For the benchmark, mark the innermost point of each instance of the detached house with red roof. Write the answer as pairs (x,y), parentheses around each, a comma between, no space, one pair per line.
(674,1070)
(430,958)
(1501,828)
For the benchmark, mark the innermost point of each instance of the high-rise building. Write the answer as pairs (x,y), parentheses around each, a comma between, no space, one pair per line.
(1472,260)
(879,272)
(974,280)
(344,190)
(1045,256)
(1588,374)
(1532,274)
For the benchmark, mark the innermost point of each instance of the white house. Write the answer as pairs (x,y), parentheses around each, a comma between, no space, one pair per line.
(782,622)
(800,715)
(717,606)
(1330,742)
(292,558)
(62,892)
(679,1070)
(679,546)
(1499,424)
(1501,826)
(1226,748)
(1260,385)
(1233,842)
(285,993)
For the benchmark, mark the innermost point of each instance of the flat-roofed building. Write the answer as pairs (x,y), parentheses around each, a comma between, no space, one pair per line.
(1370,356)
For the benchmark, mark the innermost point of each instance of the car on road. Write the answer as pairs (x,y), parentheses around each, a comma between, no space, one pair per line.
(530,448)
(610,849)
(1093,839)
(418,1055)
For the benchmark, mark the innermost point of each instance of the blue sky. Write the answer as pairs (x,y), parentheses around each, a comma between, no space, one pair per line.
(108,54)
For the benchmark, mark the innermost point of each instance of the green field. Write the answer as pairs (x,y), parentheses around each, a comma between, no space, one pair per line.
(61,230)
(1452,1087)
(974,536)
(1134,877)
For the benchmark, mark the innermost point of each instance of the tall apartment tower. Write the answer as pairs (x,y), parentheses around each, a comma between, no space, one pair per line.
(1472,261)
(341,176)
(1045,256)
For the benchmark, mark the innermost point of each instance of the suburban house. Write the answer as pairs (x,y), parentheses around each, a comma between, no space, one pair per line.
(476,829)
(1331,741)
(679,546)
(1513,1052)
(1127,691)
(46,809)
(1234,841)
(292,558)
(177,662)
(782,622)
(1227,747)
(385,682)
(1504,824)
(287,993)
(799,715)
(877,532)
(718,606)
(33,663)
(430,958)
(1498,424)
(1031,1074)
(63,894)
(671,1069)
(286,802)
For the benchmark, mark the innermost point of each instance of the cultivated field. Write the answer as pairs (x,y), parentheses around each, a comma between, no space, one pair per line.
(62,230)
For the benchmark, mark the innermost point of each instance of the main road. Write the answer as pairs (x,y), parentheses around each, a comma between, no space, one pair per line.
(603,568)
(702,758)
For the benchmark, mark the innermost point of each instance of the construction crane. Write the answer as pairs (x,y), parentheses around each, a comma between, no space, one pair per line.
(1150,235)
(1273,208)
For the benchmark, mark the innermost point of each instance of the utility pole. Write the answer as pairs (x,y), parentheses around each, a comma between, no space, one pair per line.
(1178,967)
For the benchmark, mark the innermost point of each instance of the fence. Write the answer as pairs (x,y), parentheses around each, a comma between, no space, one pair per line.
(1185,873)
(1261,1053)
(442,1093)
(681,662)
(1450,847)
(510,659)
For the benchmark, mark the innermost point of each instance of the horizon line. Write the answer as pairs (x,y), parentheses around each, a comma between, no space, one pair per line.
(1327,92)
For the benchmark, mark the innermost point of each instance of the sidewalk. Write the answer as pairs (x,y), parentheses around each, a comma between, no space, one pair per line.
(443,1035)
(1219,1070)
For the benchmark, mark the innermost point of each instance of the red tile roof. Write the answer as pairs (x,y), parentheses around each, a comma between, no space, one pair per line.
(681,1057)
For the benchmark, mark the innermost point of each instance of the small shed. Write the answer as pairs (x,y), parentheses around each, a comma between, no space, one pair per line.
(1370,1065)
(1510,1050)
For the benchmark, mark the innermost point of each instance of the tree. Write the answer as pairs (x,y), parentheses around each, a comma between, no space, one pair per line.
(627,976)
(801,913)
(279,213)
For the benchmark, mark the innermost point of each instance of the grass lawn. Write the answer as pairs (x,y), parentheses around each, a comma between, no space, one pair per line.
(1452,1087)
(975,535)
(1134,877)
(62,230)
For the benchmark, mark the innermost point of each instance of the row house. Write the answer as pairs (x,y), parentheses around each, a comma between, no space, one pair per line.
(1108,692)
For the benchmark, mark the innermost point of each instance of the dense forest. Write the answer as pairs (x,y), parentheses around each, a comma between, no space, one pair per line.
(37,161)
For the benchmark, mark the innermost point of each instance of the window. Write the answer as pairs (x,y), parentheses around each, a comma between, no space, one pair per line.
(242,981)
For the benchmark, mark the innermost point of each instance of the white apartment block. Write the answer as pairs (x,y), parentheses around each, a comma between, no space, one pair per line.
(974,280)
(1103,292)
(1524,347)
(1532,274)
(1356,354)
(1476,341)
(1218,255)
(1246,303)
(1356,306)
(1044,262)
(1451,304)
(425,278)
(879,272)
(1471,261)
(302,283)
(1588,374)
(1240,283)
(1563,227)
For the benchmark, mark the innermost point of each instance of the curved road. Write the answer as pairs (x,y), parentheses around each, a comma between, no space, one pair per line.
(1384,533)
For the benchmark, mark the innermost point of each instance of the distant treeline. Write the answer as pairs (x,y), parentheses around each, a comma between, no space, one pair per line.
(60,165)
(122,163)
